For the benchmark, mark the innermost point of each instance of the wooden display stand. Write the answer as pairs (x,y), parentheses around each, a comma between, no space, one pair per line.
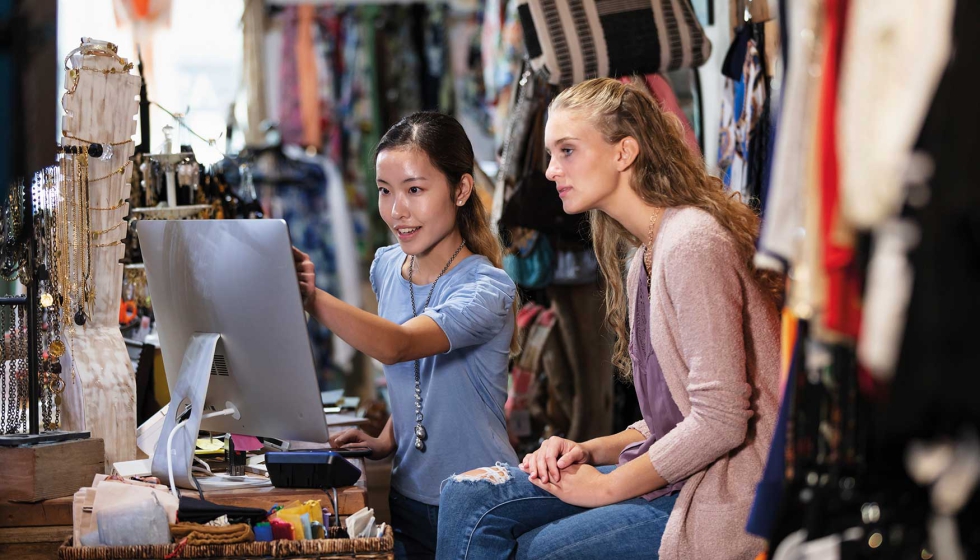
(40,472)
(101,396)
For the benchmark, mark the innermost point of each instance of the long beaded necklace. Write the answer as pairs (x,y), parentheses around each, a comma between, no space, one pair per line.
(420,434)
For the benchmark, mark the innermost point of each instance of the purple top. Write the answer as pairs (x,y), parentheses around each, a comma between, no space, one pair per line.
(658,408)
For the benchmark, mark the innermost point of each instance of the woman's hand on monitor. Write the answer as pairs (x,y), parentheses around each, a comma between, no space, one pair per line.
(306,275)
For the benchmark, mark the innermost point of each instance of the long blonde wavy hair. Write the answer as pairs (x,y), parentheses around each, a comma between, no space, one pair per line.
(666,173)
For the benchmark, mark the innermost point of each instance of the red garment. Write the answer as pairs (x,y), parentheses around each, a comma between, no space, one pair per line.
(662,92)
(843,309)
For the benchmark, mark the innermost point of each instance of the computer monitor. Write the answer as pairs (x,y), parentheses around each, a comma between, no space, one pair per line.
(232,332)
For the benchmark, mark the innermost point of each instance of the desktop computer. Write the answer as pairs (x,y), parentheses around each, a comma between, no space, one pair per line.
(233,336)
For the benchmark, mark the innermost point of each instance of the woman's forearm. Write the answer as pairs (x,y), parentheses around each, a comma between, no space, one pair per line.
(605,450)
(379,338)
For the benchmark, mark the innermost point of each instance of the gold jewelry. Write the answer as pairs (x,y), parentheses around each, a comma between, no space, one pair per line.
(116,207)
(114,243)
(47,300)
(120,170)
(56,349)
(648,249)
(123,70)
(96,234)
(120,143)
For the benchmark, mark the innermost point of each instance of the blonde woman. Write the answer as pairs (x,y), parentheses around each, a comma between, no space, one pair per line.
(697,333)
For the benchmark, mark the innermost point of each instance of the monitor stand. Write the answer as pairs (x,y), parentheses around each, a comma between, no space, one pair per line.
(191,385)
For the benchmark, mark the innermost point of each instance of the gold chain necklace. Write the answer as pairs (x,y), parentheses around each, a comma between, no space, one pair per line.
(648,249)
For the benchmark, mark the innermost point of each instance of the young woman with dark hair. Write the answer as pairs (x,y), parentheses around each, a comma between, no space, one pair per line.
(444,328)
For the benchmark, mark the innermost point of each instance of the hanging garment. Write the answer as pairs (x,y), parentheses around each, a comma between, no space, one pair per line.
(304,51)
(892,62)
(886,297)
(296,190)
(303,100)
(843,305)
(781,238)
(769,492)
(574,40)
(743,104)
(253,35)
(936,390)
(340,222)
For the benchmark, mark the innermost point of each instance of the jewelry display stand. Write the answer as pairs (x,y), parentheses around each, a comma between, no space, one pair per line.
(100,105)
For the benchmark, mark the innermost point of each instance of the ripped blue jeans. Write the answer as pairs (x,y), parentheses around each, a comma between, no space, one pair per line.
(502,515)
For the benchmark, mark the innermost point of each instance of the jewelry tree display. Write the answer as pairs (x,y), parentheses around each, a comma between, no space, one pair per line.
(100,104)
(18,371)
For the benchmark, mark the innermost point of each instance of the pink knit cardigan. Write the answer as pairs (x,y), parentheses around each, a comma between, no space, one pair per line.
(716,335)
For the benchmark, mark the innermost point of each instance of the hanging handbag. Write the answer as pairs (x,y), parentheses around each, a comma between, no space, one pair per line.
(574,40)
(530,200)
(530,261)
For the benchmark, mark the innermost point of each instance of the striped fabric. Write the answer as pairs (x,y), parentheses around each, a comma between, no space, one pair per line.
(574,40)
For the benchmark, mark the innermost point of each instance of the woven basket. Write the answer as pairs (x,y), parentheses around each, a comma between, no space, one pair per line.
(333,548)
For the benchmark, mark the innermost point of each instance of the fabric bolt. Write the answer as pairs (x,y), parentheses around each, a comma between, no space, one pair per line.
(516,519)
(463,390)
(718,345)
(660,414)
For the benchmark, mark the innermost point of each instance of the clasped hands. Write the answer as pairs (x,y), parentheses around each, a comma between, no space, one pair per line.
(562,467)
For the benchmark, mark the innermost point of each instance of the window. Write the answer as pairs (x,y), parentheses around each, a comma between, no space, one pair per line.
(195,63)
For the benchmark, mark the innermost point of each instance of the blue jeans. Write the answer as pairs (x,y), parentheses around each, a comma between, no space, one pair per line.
(516,519)
(414,525)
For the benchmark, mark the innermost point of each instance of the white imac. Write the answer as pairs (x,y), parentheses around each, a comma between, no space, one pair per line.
(233,336)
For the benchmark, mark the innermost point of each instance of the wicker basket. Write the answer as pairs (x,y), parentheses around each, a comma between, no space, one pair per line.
(373,549)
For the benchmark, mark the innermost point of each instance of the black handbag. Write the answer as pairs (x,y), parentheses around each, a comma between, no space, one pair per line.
(532,202)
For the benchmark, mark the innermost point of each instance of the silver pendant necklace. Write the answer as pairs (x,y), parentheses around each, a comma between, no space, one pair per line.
(420,434)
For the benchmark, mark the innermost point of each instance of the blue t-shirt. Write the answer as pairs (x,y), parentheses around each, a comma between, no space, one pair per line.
(463,390)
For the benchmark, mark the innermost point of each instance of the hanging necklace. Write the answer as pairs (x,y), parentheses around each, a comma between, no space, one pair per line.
(648,250)
(420,433)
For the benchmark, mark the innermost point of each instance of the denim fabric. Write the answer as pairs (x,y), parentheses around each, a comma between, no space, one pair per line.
(414,524)
(480,520)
